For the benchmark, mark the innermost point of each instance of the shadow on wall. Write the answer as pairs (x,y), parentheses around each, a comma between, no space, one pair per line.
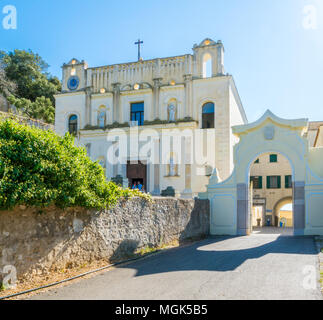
(195,229)
(53,240)
(126,250)
(35,241)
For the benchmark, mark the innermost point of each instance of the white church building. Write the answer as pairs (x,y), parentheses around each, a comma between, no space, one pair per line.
(164,122)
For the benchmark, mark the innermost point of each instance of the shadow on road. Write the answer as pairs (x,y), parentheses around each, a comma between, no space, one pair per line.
(212,255)
(216,254)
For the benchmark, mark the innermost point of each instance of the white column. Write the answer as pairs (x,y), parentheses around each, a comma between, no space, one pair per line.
(156,98)
(188,112)
(156,167)
(88,107)
(110,168)
(116,102)
(186,160)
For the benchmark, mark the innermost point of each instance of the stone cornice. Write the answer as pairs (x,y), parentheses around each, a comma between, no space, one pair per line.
(217,77)
(136,92)
(68,94)
(102,95)
(170,87)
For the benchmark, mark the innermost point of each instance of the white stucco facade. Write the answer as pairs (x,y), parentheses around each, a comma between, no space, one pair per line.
(178,81)
(230,199)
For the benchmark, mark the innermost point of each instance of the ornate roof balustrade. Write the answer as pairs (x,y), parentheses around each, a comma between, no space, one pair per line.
(169,69)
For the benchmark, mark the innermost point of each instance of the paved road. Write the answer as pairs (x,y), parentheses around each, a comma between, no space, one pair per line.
(262,266)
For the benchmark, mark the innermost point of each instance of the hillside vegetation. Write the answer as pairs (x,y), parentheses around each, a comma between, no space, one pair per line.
(39,168)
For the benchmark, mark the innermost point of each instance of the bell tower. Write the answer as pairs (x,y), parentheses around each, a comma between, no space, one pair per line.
(74,76)
(209,51)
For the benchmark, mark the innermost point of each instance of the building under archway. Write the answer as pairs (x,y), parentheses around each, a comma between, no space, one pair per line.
(284,212)
(231,200)
(271,188)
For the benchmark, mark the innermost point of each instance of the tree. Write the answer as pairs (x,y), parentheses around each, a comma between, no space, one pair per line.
(35,87)
(41,109)
(29,71)
(7,88)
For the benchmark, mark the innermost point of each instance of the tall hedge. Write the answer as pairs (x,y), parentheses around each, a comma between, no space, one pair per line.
(39,168)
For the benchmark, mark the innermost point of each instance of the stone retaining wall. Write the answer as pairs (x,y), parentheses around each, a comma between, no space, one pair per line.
(36,242)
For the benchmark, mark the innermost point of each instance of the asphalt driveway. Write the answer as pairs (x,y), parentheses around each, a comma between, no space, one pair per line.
(261,266)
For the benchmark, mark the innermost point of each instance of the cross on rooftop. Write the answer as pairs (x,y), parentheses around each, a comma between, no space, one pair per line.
(139,43)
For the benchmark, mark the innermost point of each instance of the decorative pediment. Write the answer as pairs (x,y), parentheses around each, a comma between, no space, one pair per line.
(269,130)
(74,61)
(206,42)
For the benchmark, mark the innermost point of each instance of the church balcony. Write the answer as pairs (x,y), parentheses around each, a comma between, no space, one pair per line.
(157,124)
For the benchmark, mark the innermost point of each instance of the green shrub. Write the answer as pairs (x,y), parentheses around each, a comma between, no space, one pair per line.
(39,168)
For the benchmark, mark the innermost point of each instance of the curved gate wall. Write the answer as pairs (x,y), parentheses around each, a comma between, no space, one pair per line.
(229,200)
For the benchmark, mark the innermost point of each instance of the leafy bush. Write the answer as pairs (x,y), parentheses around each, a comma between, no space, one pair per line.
(39,168)
(40,109)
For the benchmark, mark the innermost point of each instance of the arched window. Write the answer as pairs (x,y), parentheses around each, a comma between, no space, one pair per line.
(72,124)
(208,116)
(207,66)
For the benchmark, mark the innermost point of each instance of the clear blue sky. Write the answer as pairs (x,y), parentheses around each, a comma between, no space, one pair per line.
(276,62)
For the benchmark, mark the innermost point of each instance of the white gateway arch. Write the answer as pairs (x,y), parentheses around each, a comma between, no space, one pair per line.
(230,199)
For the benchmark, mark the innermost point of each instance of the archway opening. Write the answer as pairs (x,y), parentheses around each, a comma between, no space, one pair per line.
(207,66)
(270,190)
(285,215)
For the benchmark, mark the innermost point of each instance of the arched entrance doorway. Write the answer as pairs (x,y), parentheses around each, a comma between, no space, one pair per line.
(230,200)
(283,212)
(270,187)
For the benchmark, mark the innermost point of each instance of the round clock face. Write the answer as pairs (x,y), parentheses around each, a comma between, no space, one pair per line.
(73,83)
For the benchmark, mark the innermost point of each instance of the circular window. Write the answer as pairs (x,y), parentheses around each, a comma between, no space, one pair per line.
(73,83)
